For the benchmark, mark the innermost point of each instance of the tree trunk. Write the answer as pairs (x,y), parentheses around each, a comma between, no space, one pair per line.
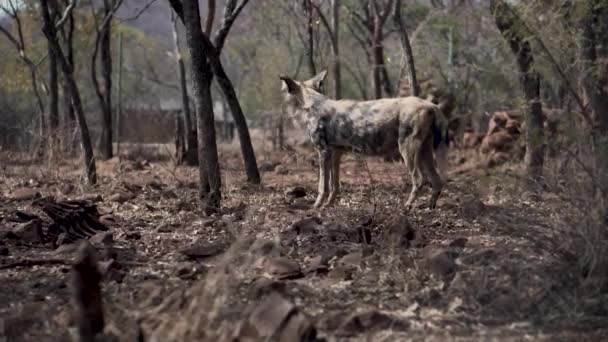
(310,51)
(209,171)
(53,102)
(69,119)
(508,24)
(534,123)
(335,22)
(407,51)
(377,57)
(191,147)
(210,17)
(594,56)
(106,71)
(51,35)
(180,142)
(251,166)
(213,54)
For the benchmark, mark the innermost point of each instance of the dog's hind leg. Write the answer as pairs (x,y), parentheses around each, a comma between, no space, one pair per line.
(334,177)
(410,150)
(429,169)
(324,166)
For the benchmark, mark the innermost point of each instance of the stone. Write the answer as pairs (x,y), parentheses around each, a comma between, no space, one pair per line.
(367,322)
(472,207)
(319,265)
(282,268)
(204,250)
(121,197)
(296,192)
(104,238)
(275,319)
(30,231)
(399,232)
(439,261)
(309,225)
(25,194)
(4,251)
(133,236)
(108,220)
(281,170)
(267,166)
(264,286)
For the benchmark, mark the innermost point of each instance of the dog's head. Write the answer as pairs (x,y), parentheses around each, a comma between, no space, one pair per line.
(294,92)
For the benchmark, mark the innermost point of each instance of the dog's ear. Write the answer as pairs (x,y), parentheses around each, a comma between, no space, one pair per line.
(292,86)
(316,82)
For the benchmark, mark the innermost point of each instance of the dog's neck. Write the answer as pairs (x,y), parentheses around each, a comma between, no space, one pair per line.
(308,107)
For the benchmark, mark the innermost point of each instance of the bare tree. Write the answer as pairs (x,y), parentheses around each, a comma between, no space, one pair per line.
(53,94)
(407,50)
(510,26)
(188,131)
(232,10)
(50,31)
(594,57)
(209,171)
(367,26)
(11,9)
(333,30)
(67,38)
(103,40)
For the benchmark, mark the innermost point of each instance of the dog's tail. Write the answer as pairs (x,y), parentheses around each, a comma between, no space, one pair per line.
(439,128)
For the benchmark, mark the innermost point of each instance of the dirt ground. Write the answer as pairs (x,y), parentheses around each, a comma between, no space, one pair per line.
(490,263)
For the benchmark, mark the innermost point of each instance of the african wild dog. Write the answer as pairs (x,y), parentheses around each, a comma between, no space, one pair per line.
(376,128)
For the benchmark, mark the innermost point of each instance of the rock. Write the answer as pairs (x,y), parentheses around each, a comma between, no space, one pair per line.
(264,286)
(281,170)
(471,139)
(204,250)
(25,194)
(282,268)
(111,270)
(309,225)
(500,141)
(296,192)
(497,158)
(498,122)
(267,166)
(472,207)
(91,197)
(354,259)
(482,257)
(459,242)
(275,319)
(164,228)
(108,220)
(342,272)
(4,251)
(439,261)
(29,231)
(104,238)
(133,236)
(368,322)
(67,188)
(513,127)
(121,196)
(399,232)
(318,265)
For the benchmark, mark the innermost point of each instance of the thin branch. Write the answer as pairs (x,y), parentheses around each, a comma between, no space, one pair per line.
(66,14)
(139,13)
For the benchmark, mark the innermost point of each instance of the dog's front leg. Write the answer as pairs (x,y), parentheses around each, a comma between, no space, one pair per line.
(324,165)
